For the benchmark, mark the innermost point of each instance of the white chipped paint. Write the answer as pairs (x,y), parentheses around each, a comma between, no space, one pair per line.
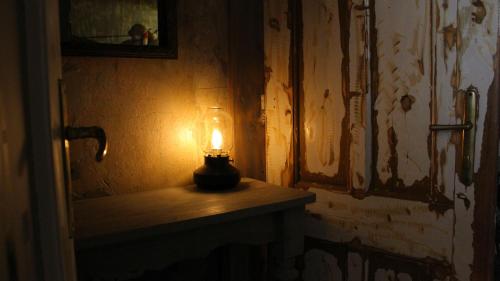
(445,89)
(321,266)
(404,69)
(324,109)
(446,237)
(463,254)
(404,277)
(382,274)
(278,99)
(354,267)
(412,229)
(476,56)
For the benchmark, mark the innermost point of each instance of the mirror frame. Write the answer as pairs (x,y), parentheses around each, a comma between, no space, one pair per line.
(167,28)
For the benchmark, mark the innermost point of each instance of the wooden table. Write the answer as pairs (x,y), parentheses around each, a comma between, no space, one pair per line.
(119,237)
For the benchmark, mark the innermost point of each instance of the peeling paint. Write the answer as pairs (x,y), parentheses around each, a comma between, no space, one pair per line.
(406,102)
(322,117)
(402,61)
(321,266)
(412,229)
(278,107)
(407,64)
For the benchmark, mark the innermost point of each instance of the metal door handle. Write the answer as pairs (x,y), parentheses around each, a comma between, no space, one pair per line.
(94,132)
(468,129)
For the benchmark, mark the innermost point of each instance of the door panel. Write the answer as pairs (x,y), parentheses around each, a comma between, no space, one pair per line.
(401,113)
(279,94)
(323,122)
(408,64)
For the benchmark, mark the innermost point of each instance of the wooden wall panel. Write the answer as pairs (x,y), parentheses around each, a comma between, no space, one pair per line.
(399,226)
(402,97)
(325,261)
(246,73)
(279,93)
(323,106)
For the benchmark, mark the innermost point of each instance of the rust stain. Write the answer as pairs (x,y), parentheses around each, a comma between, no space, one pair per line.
(406,102)
(480,11)
(445,4)
(421,67)
(439,203)
(274,23)
(466,200)
(326,94)
(267,74)
(389,218)
(450,36)
(442,163)
(361,179)
(393,160)
(455,77)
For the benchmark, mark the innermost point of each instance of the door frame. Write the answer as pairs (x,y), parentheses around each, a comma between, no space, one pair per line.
(42,72)
(485,192)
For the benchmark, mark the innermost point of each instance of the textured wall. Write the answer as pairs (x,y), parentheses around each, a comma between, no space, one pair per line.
(148,107)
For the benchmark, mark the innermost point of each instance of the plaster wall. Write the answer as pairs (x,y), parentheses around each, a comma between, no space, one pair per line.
(149,108)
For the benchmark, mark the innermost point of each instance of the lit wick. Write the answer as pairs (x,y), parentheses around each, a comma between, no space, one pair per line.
(216,142)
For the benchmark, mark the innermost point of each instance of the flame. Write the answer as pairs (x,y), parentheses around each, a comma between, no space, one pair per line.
(216,139)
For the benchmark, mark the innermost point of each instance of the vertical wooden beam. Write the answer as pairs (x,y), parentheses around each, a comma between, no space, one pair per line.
(279,91)
(486,189)
(246,82)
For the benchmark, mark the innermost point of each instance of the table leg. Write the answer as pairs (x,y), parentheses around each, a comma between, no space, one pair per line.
(290,245)
(285,270)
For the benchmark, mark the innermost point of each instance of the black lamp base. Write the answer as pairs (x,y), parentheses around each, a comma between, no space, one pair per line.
(216,174)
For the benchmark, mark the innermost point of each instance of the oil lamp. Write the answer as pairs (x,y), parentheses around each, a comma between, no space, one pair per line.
(217,141)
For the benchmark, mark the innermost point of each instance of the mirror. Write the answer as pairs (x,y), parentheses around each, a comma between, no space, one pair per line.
(119,28)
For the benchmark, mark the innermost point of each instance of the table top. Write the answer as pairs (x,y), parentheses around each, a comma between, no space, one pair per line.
(106,220)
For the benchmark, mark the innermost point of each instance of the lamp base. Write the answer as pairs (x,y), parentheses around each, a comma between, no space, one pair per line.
(216,174)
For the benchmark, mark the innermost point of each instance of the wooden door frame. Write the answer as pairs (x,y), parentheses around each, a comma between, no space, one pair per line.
(42,71)
(485,192)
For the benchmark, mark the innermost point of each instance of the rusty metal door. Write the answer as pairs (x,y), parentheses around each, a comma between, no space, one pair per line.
(373,76)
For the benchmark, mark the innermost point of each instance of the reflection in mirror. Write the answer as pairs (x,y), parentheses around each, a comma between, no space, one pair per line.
(129,22)
(142,28)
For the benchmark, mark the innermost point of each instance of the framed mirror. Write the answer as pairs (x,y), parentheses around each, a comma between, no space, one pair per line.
(119,28)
